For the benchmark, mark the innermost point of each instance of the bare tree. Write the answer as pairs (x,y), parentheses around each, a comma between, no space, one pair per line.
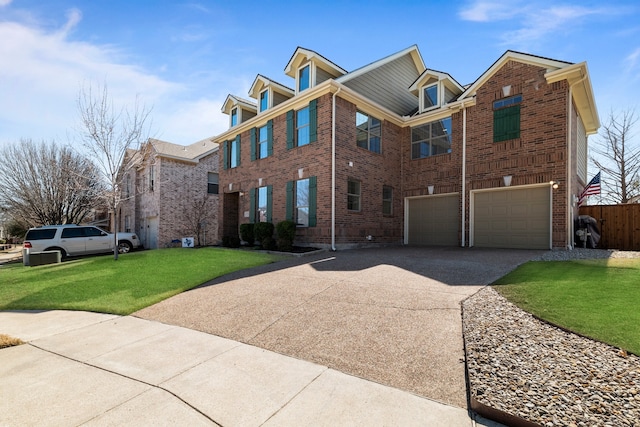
(197,215)
(617,154)
(43,183)
(107,133)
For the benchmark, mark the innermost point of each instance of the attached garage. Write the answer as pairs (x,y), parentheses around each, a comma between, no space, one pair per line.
(433,220)
(512,218)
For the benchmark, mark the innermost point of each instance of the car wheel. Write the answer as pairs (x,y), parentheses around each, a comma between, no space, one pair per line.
(124,247)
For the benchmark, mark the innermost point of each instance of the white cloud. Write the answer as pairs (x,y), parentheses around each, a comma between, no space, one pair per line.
(632,62)
(40,87)
(5,2)
(486,11)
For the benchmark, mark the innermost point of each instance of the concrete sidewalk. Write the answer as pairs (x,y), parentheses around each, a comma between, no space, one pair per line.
(81,368)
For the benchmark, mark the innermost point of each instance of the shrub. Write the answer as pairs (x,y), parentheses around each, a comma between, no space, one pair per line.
(247,234)
(263,232)
(286,231)
(231,241)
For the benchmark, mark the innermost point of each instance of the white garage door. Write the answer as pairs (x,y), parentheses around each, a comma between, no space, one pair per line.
(513,218)
(433,220)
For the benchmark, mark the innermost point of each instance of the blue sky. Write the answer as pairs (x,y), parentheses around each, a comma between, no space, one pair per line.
(184,57)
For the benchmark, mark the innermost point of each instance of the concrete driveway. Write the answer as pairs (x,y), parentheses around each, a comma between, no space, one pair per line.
(388,315)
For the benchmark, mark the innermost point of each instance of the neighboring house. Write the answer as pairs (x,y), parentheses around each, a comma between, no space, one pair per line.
(171,192)
(394,153)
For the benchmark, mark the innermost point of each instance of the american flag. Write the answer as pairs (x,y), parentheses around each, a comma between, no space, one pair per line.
(592,188)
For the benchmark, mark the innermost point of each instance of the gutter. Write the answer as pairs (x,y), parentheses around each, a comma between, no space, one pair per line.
(570,231)
(333,169)
(464,174)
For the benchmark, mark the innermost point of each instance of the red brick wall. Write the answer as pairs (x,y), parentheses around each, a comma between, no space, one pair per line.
(539,155)
(374,170)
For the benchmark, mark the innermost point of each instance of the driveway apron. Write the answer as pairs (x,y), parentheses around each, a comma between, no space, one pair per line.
(390,315)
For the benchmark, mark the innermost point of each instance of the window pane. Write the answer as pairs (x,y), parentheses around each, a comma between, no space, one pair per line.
(420,133)
(233,154)
(387,200)
(431,139)
(302,126)
(261,204)
(303,79)
(353,196)
(375,127)
(430,96)
(362,138)
(264,100)
(212,184)
(262,143)
(234,117)
(302,202)
(374,144)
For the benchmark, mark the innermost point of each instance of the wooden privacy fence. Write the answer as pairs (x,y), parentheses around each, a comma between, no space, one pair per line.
(619,225)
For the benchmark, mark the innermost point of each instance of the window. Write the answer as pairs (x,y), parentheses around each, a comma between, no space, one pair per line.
(387,200)
(304,78)
(368,132)
(234,117)
(231,153)
(353,195)
(212,183)
(264,99)
(72,233)
(506,118)
(301,202)
(302,126)
(260,204)
(431,139)
(430,97)
(262,141)
(128,186)
(152,174)
(127,224)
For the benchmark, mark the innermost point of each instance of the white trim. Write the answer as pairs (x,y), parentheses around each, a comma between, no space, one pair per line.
(472,201)
(269,99)
(311,75)
(406,209)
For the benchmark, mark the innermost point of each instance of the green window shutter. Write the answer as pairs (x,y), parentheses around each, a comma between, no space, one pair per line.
(313,193)
(238,148)
(513,122)
(252,205)
(290,130)
(269,203)
(253,144)
(313,120)
(270,138)
(506,123)
(289,212)
(225,154)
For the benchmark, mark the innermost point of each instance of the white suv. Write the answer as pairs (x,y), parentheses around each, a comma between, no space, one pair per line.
(72,240)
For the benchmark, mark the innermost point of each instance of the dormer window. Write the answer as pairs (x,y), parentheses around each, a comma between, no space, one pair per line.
(430,97)
(264,100)
(234,117)
(304,78)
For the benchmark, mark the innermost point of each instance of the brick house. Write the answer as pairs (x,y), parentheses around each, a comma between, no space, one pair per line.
(396,153)
(171,192)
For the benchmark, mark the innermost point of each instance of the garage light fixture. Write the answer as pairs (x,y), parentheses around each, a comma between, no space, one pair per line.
(553,184)
(507,180)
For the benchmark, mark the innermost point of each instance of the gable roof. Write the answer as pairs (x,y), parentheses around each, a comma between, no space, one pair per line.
(398,71)
(233,100)
(301,55)
(438,75)
(192,153)
(510,55)
(261,82)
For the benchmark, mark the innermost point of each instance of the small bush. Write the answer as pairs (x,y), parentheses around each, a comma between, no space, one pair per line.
(263,232)
(286,231)
(246,234)
(231,241)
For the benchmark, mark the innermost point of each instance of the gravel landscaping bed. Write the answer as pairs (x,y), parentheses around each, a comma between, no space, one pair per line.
(542,374)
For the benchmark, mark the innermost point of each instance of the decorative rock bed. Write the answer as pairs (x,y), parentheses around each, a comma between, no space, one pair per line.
(525,371)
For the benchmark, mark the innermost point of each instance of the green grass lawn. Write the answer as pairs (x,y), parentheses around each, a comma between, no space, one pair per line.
(136,280)
(596,298)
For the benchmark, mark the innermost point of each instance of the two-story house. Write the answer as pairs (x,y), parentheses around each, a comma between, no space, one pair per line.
(394,152)
(171,192)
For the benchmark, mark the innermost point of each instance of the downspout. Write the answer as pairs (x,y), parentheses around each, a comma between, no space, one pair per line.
(464,173)
(570,231)
(333,170)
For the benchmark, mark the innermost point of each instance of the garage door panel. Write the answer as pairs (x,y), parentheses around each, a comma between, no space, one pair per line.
(513,218)
(433,220)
